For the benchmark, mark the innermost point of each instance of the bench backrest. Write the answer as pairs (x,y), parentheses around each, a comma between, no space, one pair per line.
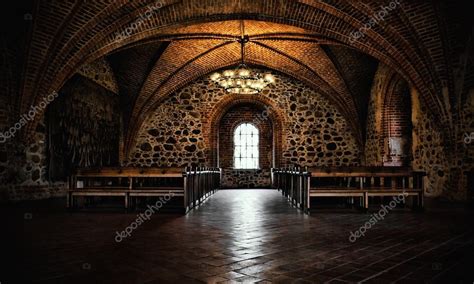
(353,171)
(361,172)
(130,172)
(142,172)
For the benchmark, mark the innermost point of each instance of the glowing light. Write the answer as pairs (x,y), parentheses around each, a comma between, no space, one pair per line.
(215,76)
(242,80)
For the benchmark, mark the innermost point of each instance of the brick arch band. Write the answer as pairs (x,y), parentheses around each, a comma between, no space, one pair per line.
(275,115)
(396,113)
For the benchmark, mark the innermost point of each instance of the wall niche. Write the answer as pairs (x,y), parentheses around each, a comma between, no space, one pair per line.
(84,128)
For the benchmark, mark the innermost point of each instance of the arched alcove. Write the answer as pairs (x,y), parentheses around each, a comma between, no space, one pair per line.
(255,116)
(397,126)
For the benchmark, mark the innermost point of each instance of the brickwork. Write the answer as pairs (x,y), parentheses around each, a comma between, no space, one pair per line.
(233,118)
(230,121)
(269,112)
(389,120)
(397,123)
(374,139)
(74,33)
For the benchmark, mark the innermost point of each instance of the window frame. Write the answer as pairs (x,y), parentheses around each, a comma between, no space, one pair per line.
(244,143)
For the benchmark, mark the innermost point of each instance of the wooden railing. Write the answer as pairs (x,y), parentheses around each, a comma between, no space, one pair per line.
(293,183)
(200,183)
(299,185)
(193,185)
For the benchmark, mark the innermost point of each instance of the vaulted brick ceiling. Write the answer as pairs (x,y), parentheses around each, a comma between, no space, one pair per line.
(199,49)
(303,38)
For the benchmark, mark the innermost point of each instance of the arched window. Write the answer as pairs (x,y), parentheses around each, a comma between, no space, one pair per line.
(246,147)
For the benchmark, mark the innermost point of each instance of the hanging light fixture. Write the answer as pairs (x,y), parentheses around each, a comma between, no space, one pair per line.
(242,80)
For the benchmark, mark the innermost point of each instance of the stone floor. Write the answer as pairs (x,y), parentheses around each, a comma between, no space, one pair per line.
(236,236)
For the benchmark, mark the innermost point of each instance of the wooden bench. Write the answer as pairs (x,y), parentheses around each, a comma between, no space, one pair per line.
(193,185)
(360,182)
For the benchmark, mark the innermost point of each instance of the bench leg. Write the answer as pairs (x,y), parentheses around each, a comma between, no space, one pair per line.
(366,201)
(132,202)
(419,202)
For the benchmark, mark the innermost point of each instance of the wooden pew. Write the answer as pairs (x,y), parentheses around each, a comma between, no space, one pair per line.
(132,183)
(354,182)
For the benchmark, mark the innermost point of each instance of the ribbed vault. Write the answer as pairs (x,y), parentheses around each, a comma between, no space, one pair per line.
(289,36)
(199,56)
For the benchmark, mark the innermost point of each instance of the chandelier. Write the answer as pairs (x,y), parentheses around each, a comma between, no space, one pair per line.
(242,79)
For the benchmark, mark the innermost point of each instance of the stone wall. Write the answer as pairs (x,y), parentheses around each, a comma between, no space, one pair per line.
(448,158)
(466,155)
(464,85)
(239,178)
(27,170)
(173,135)
(428,149)
(101,73)
(373,147)
(24,172)
(447,165)
(314,132)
